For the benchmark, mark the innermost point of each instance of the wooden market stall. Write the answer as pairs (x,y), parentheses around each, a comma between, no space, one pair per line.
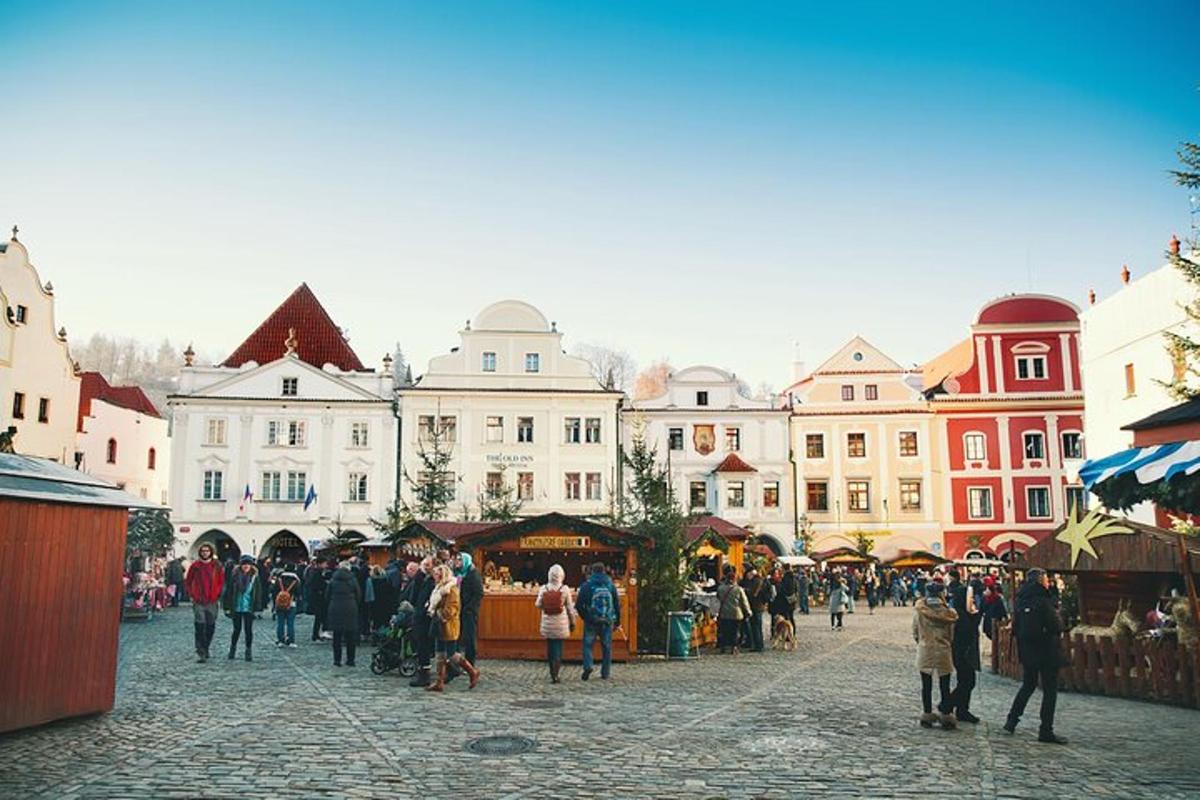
(515,558)
(916,559)
(843,557)
(62,541)
(716,542)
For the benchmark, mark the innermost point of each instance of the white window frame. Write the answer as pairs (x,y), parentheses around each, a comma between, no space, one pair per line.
(900,444)
(493,484)
(525,485)
(525,432)
(824,452)
(920,494)
(287,382)
(1062,441)
(213,484)
(733,432)
(295,486)
(572,490)
(297,433)
(866,444)
(274,427)
(488,361)
(270,487)
(730,488)
(1078,489)
(991,502)
(493,433)
(966,438)
(533,360)
(572,430)
(591,430)
(593,480)
(1028,355)
(1029,490)
(850,494)
(221,426)
(671,431)
(1026,437)
(448,428)
(357,487)
(360,434)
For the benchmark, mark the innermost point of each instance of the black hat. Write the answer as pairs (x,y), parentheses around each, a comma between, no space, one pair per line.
(246,559)
(934,588)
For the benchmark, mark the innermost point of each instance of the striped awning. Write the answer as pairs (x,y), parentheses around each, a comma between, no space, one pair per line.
(1150,464)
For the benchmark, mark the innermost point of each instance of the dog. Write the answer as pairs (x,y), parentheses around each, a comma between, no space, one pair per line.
(783,634)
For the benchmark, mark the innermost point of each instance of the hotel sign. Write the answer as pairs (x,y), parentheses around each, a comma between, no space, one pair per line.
(499,458)
(555,542)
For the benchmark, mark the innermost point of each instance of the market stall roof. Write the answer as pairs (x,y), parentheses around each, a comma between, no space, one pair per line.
(39,479)
(1147,464)
(797,561)
(843,555)
(581,526)
(447,532)
(699,526)
(1185,412)
(1146,548)
(916,558)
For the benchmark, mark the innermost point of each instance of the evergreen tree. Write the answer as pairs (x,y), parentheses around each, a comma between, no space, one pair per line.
(499,504)
(148,531)
(1185,350)
(434,487)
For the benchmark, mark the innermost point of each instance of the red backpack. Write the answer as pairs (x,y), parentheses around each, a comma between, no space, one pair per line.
(552,602)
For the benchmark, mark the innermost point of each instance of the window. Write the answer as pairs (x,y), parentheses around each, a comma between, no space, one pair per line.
(856,445)
(494,484)
(735,494)
(214,431)
(733,439)
(858,495)
(533,362)
(910,495)
(110,452)
(975,447)
(592,430)
(524,485)
(1130,381)
(274,427)
(1072,445)
(701,398)
(697,494)
(1035,445)
(1037,499)
(908,444)
(151,458)
(295,433)
(449,430)
(525,430)
(847,393)
(675,438)
(425,478)
(18,409)
(814,445)
(359,434)
(1031,368)
(593,486)
(1077,499)
(356,487)
(979,502)
(22,314)
(44,409)
(297,482)
(425,427)
(771,494)
(571,429)
(871,391)
(291,387)
(489,362)
(571,486)
(270,487)
(818,495)
(494,429)
(214,485)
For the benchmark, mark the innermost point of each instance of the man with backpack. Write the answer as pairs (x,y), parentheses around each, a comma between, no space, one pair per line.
(600,608)
(287,595)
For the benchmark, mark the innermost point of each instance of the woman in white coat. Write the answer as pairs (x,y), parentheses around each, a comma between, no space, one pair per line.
(557,603)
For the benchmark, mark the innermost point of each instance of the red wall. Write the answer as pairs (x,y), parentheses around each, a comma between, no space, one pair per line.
(1017,426)
(957,426)
(1021,502)
(958,491)
(1053,382)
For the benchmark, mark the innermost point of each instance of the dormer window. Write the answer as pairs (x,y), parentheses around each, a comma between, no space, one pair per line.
(489,362)
(1029,360)
(701,398)
(21,315)
(533,362)
(290,387)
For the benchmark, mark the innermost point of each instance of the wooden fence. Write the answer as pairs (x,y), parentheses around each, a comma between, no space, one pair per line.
(1145,669)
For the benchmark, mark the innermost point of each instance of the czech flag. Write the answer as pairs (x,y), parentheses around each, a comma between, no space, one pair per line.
(310,498)
(247,496)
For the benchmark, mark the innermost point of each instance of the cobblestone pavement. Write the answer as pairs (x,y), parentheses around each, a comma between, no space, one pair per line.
(836,718)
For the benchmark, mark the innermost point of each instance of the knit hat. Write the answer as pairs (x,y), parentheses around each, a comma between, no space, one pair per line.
(1034,575)
(934,588)
(246,559)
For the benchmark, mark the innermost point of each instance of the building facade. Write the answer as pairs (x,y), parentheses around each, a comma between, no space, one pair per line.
(121,438)
(1008,404)
(513,409)
(726,454)
(39,384)
(865,449)
(283,442)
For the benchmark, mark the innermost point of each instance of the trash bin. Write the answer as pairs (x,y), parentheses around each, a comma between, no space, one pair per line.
(679,635)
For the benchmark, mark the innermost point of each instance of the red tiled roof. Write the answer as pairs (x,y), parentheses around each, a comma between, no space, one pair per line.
(698,526)
(450,531)
(733,463)
(93,386)
(319,340)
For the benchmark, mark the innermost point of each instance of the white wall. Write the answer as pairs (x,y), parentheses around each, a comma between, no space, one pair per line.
(135,433)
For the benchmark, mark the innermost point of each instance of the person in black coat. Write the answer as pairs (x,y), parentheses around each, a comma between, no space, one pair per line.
(1038,628)
(345,602)
(316,577)
(471,597)
(965,644)
(420,588)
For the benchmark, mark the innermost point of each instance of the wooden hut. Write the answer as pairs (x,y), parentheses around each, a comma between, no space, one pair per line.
(916,559)
(844,557)
(62,544)
(716,542)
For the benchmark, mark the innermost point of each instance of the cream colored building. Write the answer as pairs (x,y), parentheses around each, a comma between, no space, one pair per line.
(123,439)
(864,446)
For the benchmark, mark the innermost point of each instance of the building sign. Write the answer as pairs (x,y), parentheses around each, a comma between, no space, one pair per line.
(499,458)
(704,437)
(555,542)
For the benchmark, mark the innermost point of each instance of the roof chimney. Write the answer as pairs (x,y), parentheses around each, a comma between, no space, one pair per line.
(1125,273)
(1091,297)
(1174,245)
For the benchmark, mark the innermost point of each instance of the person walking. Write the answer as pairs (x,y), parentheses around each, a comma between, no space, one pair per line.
(961,597)
(315,582)
(600,608)
(851,581)
(345,600)
(470,589)
(244,597)
(558,617)
(802,588)
(733,606)
(420,589)
(445,610)
(1037,628)
(933,631)
(837,602)
(173,577)
(286,603)
(786,598)
(205,581)
(759,592)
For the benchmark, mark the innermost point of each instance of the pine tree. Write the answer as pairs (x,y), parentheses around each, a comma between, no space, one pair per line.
(435,485)
(149,531)
(499,504)
(1185,350)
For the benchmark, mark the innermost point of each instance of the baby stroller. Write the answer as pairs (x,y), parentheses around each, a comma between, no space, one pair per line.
(396,650)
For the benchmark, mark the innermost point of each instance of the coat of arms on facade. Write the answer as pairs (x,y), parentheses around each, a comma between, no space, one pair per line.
(704,437)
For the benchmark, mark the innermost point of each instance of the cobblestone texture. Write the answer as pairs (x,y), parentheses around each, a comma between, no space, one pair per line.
(838,718)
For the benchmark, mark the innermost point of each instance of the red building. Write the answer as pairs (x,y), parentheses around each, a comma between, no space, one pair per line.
(1008,410)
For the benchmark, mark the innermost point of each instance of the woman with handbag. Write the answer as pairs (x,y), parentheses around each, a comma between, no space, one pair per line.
(444,607)
(558,617)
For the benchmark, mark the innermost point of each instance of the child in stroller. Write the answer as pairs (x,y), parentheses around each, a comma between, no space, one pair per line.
(396,650)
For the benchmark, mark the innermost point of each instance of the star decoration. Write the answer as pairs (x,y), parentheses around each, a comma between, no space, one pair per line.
(1079,533)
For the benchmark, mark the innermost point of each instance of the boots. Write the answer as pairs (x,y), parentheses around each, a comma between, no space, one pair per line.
(440,684)
(927,720)
(248,656)
(468,668)
(201,643)
(210,628)
(948,721)
(421,678)
(232,650)
(555,666)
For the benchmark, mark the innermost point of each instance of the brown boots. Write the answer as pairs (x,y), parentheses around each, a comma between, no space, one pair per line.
(555,667)
(440,684)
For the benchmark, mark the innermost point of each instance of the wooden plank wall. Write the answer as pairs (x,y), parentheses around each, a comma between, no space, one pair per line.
(61,579)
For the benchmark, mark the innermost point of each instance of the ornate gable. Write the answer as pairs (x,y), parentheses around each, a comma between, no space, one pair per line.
(858,356)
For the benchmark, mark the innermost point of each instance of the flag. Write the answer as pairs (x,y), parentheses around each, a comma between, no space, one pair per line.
(310,498)
(247,496)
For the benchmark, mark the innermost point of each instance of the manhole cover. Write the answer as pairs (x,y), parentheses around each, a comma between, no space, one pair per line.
(500,745)
(538,703)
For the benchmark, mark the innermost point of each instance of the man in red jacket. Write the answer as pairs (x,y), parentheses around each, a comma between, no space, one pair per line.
(205,580)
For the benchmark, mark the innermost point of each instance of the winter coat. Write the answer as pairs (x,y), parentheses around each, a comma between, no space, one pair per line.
(470,593)
(583,602)
(789,589)
(236,584)
(344,598)
(756,590)
(839,598)
(966,629)
(314,589)
(204,581)
(448,608)
(933,630)
(1037,626)
(386,601)
(733,602)
(557,626)
(174,571)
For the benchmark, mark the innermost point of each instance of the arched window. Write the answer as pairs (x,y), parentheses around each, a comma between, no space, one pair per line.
(151,457)
(111,456)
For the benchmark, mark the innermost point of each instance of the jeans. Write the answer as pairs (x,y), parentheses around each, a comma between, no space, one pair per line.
(242,619)
(204,618)
(287,618)
(350,640)
(554,650)
(945,704)
(1048,676)
(756,631)
(804,602)
(605,633)
(850,599)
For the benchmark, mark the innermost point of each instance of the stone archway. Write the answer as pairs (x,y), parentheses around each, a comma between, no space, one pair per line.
(226,549)
(284,546)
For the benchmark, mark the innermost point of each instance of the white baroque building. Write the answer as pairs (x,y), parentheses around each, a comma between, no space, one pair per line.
(286,438)
(39,385)
(123,439)
(514,408)
(726,454)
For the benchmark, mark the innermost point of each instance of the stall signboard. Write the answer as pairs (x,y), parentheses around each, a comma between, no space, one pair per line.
(555,542)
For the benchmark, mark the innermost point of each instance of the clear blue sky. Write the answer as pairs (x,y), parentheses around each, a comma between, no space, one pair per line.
(707,182)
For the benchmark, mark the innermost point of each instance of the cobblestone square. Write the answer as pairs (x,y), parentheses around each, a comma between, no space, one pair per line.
(837,718)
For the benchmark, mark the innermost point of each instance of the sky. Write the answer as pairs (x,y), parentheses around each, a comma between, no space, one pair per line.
(737,184)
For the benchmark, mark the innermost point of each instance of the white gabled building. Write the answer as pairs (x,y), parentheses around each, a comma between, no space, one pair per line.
(293,419)
(514,407)
(123,439)
(727,454)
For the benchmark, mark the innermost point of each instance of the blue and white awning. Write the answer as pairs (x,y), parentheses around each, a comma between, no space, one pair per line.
(1150,464)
